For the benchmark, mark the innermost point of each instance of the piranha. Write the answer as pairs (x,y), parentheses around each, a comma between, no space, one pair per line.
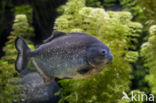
(75,55)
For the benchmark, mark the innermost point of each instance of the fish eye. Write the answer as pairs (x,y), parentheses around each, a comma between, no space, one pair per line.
(103,52)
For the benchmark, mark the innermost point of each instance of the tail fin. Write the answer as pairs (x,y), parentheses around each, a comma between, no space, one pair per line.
(23,54)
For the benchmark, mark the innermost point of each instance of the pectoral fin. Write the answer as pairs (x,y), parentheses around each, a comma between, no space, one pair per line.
(84,70)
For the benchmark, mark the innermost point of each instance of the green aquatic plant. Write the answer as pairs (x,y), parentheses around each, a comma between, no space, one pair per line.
(93,3)
(149,8)
(118,32)
(24,9)
(148,51)
(135,9)
(9,90)
(139,71)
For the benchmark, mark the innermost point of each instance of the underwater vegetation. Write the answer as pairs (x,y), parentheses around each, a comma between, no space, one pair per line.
(127,27)
(8,73)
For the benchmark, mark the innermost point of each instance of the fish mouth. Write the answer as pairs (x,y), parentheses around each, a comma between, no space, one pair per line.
(109,61)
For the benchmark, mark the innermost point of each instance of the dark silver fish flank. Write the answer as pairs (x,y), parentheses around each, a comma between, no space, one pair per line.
(74,55)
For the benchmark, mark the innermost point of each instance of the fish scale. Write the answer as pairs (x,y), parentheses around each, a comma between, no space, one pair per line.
(58,66)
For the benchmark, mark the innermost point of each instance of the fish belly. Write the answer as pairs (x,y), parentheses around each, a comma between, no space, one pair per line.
(62,67)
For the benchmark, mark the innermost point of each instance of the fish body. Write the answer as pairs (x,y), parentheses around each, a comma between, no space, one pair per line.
(73,55)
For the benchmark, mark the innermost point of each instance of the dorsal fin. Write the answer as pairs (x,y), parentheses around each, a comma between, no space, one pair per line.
(54,35)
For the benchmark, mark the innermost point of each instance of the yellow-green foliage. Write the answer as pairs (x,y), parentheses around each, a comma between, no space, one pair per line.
(7,90)
(24,9)
(117,31)
(132,56)
(149,53)
(136,10)
(149,7)
(8,75)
